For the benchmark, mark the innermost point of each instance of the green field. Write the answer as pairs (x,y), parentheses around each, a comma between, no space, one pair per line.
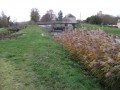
(109,30)
(36,62)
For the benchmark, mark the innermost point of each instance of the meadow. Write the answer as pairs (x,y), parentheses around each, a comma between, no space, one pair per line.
(108,30)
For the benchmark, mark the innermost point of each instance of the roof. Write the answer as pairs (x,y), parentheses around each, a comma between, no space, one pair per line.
(69,16)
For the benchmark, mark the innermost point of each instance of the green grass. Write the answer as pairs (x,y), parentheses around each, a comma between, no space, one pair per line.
(35,62)
(3,30)
(109,30)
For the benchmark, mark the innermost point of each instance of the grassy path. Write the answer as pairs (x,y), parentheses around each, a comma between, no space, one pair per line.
(35,62)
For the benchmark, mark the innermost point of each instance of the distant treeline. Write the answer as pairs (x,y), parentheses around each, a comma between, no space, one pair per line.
(104,19)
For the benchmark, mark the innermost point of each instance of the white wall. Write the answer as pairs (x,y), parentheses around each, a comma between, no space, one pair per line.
(73,20)
(118,24)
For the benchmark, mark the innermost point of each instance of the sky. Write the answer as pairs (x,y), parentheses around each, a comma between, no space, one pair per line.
(19,10)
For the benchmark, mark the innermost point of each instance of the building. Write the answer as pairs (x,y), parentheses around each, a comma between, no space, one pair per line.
(70,18)
(99,13)
(118,23)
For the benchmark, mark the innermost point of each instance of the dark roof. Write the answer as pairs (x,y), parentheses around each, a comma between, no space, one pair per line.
(70,15)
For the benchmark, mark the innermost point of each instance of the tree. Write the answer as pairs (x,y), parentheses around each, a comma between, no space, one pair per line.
(35,15)
(109,19)
(46,18)
(50,12)
(4,20)
(60,16)
(94,20)
(52,15)
(49,16)
(104,19)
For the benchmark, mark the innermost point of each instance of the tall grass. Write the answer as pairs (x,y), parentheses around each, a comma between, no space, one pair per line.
(99,51)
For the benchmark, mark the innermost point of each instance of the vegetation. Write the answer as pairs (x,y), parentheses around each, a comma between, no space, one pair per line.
(103,19)
(47,17)
(35,15)
(99,52)
(109,19)
(94,20)
(34,61)
(11,26)
(60,16)
(3,30)
(109,30)
(4,20)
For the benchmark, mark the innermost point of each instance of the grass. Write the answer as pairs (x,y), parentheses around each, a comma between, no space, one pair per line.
(3,30)
(109,30)
(36,62)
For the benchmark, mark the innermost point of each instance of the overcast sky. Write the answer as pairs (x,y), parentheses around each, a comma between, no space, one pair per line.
(19,10)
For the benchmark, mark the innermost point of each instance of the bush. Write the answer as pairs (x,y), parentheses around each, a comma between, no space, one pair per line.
(94,20)
(100,53)
(15,27)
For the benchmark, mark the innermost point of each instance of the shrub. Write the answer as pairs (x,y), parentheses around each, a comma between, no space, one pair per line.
(100,53)
(94,20)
